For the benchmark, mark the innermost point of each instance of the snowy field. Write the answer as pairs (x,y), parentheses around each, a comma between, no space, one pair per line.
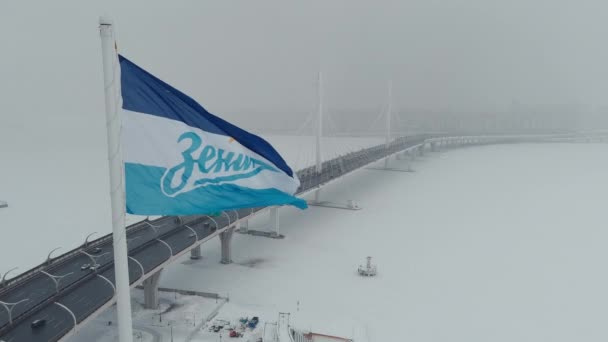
(495,243)
(58,191)
(176,316)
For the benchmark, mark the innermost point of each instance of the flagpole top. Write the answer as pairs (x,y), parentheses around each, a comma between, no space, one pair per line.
(106,20)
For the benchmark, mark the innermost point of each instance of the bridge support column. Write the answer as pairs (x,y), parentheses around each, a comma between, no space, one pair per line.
(226,241)
(399,156)
(274,221)
(421,150)
(243,227)
(195,253)
(412,154)
(151,291)
(317,202)
(408,156)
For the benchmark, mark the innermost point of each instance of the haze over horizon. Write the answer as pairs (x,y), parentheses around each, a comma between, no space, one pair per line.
(481,227)
(242,58)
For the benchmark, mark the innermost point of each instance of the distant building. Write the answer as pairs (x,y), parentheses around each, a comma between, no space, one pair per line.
(3,204)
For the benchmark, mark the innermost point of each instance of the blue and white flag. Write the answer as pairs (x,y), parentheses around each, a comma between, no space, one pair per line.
(182,160)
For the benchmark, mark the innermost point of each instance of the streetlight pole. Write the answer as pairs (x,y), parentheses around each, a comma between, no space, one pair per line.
(48,258)
(5,274)
(86,240)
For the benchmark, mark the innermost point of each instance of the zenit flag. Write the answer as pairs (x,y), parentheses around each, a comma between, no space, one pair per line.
(182,160)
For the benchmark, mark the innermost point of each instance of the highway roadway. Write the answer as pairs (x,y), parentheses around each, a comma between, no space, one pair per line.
(150,243)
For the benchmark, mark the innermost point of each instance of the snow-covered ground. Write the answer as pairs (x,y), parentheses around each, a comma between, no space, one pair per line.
(57,190)
(499,243)
(178,316)
(494,243)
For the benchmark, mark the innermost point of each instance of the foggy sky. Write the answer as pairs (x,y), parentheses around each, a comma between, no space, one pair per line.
(234,56)
(255,62)
(241,59)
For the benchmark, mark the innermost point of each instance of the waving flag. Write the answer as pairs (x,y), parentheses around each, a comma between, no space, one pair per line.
(182,160)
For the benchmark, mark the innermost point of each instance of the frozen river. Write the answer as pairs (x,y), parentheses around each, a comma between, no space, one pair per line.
(494,243)
(500,243)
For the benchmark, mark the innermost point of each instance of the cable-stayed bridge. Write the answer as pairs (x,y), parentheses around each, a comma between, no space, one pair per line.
(72,288)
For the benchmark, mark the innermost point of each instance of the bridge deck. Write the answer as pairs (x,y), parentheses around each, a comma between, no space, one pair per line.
(84,291)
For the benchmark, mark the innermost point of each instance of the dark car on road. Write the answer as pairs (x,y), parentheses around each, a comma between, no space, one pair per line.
(38,323)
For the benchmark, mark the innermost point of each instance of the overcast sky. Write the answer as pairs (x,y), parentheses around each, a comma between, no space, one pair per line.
(239,58)
(237,55)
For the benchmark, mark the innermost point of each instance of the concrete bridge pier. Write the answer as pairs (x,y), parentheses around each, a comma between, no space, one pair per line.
(274,220)
(421,150)
(317,196)
(387,162)
(195,253)
(272,231)
(317,202)
(226,241)
(408,157)
(411,154)
(151,291)
(243,226)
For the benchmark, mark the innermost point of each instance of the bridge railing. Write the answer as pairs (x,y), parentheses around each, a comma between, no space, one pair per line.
(427,138)
(350,161)
(57,261)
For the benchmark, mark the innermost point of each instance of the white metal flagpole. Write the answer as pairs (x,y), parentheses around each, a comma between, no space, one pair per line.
(117,186)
